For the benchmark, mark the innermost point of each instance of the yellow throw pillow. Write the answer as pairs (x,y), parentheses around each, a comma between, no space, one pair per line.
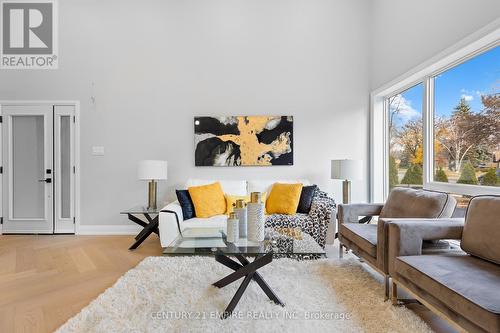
(284,199)
(208,200)
(231,201)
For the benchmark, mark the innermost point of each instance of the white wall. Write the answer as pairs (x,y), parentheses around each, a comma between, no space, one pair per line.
(151,66)
(406,33)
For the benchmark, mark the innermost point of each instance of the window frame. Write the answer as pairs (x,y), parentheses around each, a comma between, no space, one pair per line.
(472,46)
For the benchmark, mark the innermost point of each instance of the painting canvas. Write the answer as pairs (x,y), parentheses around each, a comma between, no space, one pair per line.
(243,141)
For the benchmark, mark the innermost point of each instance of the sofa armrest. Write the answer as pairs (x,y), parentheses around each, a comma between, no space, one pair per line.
(169,223)
(406,236)
(351,213)
(383,238)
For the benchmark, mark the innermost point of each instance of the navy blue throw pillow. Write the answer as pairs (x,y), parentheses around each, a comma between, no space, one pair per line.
(186,203)
(306,199)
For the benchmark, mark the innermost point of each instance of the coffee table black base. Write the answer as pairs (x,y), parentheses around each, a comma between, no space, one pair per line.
(149,228)
(248,270)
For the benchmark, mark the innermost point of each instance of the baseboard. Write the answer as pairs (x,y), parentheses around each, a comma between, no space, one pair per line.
(108,229)
(103,229)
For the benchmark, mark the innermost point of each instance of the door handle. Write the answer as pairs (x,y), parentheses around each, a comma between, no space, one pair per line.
(46,180)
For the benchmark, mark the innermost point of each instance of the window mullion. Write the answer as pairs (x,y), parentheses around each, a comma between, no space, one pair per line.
(386,152)
(428,130)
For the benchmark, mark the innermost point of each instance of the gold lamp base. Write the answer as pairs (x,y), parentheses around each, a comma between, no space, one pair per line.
(346,192)
(152,191)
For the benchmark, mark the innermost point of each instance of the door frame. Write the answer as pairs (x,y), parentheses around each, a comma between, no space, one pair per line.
(76,105)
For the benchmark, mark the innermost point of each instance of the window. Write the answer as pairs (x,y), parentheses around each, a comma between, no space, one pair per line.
(406,138)
(467,122)
(438,127)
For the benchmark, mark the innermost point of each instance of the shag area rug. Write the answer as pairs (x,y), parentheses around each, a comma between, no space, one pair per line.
(174,294)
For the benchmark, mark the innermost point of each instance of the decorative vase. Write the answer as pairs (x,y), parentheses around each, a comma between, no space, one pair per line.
(241,210)
(232,228)
(255,218)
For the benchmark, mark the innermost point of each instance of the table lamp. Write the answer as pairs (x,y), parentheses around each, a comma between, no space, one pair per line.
(152,170)
(347,170)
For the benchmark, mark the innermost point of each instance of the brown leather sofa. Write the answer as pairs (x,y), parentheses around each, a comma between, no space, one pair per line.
(369,241)
(463,287)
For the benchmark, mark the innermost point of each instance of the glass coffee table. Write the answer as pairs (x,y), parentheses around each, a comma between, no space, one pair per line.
(283,242)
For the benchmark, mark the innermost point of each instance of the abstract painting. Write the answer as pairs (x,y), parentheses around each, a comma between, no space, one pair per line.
(243,141)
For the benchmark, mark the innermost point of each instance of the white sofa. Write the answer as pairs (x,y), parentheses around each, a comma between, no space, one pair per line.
(169,229)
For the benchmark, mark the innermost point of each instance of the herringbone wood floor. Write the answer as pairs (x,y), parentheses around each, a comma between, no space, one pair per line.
(45,280)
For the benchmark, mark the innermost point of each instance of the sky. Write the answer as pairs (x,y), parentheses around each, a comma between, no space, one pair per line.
(477,76)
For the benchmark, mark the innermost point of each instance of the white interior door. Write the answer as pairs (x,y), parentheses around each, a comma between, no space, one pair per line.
(38,160)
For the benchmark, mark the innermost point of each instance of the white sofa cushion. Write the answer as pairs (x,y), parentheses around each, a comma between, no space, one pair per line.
(267,184)
(233,187)
(217,221)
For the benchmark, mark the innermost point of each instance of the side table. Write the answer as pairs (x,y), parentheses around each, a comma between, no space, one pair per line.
(151,216)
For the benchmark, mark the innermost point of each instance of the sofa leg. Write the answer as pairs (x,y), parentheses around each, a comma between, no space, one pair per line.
(341,251)
(394,293)
(386,286)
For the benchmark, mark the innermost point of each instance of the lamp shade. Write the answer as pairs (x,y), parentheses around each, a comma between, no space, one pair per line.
(347,169)
(152,170)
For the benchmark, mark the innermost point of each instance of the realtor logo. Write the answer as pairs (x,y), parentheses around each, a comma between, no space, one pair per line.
(28,34)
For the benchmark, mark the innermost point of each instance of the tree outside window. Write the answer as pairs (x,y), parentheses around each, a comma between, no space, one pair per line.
(467,122)
(406,138)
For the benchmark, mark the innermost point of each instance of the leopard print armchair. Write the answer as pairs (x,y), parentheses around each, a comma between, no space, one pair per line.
(323,209)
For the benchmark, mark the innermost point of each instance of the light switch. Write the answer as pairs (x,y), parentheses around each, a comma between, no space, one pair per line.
(98,151)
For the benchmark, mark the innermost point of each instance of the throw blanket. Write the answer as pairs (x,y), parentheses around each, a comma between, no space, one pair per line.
(315,223)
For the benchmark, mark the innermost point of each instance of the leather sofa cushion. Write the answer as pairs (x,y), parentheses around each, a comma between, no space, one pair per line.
(217,221)
(481,235)
(267,184)
(407,202)
(233,187)
(466,285)
(242,187)
(363,235)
